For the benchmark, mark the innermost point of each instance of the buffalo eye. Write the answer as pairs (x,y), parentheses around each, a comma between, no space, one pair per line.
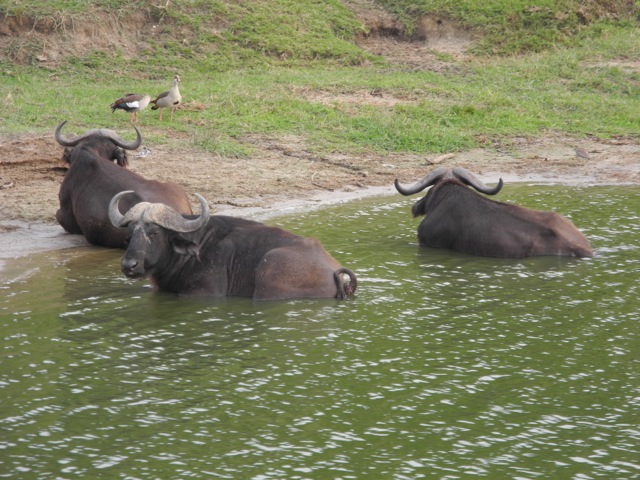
(153,232)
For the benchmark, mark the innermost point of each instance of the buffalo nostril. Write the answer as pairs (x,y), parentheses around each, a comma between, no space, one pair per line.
(129,264)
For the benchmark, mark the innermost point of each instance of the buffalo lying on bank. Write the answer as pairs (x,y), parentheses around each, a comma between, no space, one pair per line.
(458,218)
(93,179)
(225,256)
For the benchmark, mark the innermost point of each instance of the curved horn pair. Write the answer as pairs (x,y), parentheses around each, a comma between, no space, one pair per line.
(106,133)
(159,214)
(462,174)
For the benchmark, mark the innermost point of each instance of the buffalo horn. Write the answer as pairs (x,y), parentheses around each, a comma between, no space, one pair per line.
(159,214)
(431,178)
(134,214)
(104,132)
(468,178)
(170,219)
(131,145)
(117,219)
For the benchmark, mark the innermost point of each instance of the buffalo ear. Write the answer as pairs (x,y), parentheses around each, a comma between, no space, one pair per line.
(120,156)
(420,207)
(184,246)
(66,155)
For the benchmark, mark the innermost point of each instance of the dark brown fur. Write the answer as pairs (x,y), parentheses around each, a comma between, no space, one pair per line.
(235,257)
(460,219)
(96,173)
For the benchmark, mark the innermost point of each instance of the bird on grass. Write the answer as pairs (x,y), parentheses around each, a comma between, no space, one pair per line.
(132,103)
(169,99)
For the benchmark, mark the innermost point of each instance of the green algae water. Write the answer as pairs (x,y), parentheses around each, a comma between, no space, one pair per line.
(443,365)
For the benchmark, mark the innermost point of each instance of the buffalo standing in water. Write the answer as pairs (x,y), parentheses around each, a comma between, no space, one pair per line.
(459,219)
(225,256)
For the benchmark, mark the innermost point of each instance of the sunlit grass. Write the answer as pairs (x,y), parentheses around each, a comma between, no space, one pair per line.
(590,88)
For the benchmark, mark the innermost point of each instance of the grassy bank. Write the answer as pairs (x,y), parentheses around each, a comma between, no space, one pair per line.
(301,78)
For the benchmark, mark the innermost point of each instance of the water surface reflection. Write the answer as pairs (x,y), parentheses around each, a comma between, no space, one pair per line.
(443,366)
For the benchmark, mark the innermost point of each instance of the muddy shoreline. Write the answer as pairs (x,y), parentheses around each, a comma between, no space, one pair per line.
(284,177)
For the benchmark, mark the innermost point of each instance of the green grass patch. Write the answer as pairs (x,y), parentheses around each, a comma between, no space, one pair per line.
(216,34)
(315,87)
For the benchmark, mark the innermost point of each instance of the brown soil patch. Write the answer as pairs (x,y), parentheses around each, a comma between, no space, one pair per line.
(433,45)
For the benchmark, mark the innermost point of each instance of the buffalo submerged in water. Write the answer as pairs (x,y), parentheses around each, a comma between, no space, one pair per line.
(225,256)
(458,218)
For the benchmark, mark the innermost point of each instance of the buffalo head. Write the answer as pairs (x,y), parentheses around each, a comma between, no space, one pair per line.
(155,229)
(441,174)
(105,144)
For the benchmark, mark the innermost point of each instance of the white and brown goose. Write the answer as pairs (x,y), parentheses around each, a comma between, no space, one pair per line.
(169,99)
(132,103)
